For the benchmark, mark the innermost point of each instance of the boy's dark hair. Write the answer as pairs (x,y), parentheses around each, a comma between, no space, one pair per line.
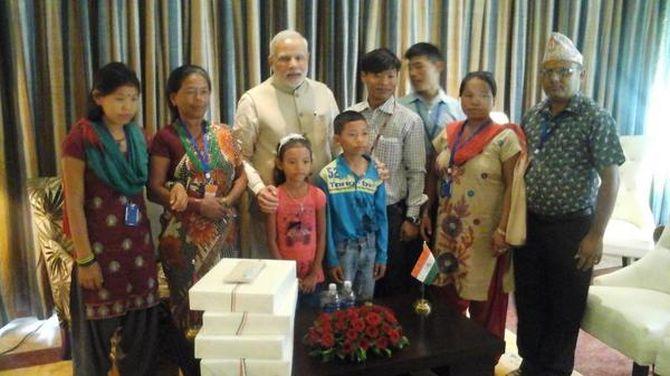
(107,79)
(424,49)
(485,76)
(176,79)
(346,117)
(379,60)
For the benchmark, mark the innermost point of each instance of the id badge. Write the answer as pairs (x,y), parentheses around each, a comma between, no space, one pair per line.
(132,217)
(445,188)
(210,190)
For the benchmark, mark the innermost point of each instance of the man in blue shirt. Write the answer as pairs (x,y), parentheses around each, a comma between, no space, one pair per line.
(572,144)
(428,99)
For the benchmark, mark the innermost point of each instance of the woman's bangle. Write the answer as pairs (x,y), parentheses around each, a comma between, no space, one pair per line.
(86,261)
(501,231)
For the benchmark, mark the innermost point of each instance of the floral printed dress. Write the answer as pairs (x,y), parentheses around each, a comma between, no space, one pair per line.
(190,244)
(467,219)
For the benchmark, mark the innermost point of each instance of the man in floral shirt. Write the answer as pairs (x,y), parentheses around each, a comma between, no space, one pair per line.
(571,141)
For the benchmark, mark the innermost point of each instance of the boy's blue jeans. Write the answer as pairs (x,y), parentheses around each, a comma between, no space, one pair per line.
(357,259)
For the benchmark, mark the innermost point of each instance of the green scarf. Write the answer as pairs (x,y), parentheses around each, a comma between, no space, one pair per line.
(127,176)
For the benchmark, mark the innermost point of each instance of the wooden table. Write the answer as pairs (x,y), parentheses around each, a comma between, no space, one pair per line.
(444,340)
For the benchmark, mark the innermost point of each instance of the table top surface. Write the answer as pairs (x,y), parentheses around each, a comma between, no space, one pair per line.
(440,339)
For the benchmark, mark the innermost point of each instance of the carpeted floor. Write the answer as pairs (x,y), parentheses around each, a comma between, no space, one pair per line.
(592,358)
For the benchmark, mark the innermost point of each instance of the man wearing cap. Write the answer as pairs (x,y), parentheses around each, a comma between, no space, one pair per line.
(287,102)
(572,142)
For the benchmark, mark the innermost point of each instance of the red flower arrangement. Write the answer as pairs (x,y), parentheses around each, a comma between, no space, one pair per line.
(352,333)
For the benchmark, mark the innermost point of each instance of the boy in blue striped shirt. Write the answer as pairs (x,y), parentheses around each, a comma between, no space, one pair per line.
(357,235)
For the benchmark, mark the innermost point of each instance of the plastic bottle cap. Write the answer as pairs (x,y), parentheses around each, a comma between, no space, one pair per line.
(332,286)
(347,284)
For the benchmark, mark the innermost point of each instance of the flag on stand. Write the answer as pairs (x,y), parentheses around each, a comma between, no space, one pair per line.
(425,269)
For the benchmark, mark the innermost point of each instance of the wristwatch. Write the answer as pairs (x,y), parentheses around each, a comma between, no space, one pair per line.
(416,221)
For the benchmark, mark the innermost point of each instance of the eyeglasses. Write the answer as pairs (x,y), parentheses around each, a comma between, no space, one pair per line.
(562,72)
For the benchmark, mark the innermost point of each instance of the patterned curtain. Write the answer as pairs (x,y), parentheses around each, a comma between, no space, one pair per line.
(50,49)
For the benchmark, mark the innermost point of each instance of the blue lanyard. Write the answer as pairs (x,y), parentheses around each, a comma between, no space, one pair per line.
(546,132)
(437,114)
(430,133)
(202,154)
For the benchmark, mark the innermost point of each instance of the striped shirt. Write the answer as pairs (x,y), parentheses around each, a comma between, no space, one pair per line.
(401,148)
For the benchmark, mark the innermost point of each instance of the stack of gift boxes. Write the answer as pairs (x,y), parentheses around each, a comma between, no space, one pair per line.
(247,327)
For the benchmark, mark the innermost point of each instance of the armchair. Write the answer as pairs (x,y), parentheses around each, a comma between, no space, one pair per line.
(53,250)
(662,366)
(630,229)
(629,310)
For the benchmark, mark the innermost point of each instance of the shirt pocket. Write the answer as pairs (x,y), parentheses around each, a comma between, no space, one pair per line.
(389,151)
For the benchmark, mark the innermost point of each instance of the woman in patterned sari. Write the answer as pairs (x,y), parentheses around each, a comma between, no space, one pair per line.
(205,158)
(472,184)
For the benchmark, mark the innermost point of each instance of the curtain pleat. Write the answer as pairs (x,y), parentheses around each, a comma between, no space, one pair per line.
(56,75)
(7,283)
(49,51)
(151,88)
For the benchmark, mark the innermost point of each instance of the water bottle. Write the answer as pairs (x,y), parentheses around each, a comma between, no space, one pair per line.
(332,301)
(348,298)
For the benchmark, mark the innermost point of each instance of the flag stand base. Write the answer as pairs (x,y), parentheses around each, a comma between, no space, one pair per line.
(422,306)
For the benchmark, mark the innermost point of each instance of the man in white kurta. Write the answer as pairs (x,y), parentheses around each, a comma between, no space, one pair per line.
(287,102)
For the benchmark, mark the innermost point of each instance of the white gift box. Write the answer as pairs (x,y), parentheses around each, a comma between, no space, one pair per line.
(265,294)
(255,346)
(244,323)
(249,367)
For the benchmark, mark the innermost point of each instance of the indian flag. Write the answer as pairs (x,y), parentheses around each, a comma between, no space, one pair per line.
(425,269)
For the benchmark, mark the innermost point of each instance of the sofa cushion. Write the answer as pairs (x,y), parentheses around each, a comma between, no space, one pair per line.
(662,366)
(631,320)
(625,239)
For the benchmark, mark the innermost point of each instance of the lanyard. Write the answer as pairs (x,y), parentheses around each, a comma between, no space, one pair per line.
(546,131)
(458,145)
(381,129)
(445,185)
(435,118)
(201,153)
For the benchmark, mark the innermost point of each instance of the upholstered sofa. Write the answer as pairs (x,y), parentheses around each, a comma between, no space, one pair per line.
(629,310)
(629,233)
(53,250)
